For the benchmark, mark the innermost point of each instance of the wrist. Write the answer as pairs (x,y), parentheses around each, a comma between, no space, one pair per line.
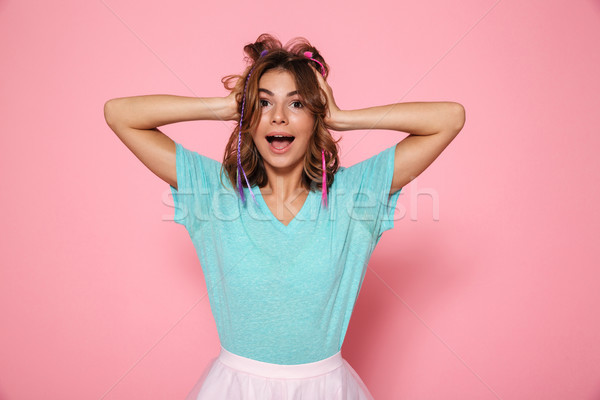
(230,108)
(215,108)
(341,120)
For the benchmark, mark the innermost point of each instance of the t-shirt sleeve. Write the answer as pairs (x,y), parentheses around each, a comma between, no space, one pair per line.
(370,182)
(196,176)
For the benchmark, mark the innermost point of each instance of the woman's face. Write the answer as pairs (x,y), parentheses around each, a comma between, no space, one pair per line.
(282,114)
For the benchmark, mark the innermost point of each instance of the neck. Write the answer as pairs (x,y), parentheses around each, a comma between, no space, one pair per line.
(284,183)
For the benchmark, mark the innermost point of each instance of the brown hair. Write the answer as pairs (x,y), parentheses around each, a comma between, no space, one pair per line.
(289,58)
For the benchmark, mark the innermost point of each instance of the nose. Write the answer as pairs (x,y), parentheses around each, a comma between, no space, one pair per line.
(278,115)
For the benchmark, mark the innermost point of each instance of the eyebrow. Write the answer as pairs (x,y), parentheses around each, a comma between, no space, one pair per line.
(273,94)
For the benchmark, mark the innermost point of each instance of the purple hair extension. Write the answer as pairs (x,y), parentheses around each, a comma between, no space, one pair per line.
(239,162)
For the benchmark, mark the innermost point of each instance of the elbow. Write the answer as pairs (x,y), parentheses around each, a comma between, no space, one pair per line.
(459,117)
(110,112)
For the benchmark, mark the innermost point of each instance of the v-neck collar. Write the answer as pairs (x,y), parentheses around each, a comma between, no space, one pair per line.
(292,225)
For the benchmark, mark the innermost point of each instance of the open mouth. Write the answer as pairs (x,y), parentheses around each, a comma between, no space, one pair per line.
(280,141)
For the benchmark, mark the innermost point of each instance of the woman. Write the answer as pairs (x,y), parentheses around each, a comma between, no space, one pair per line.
(283,233)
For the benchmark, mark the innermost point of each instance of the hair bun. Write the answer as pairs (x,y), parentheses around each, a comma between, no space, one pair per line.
(264,42)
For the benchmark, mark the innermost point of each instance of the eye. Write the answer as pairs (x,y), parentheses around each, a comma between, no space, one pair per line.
(263,102)
(297,104)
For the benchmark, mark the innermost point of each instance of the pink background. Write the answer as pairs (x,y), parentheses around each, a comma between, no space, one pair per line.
(486,288)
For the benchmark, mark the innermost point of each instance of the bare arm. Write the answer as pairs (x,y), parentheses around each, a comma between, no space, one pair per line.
(135,120)
(431,127)
(420,118)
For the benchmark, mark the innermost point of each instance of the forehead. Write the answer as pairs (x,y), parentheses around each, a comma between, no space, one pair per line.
(275,79)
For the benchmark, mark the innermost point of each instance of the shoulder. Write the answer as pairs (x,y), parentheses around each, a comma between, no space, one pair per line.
(379,162)
(194,155)
(192,159)
(198,167)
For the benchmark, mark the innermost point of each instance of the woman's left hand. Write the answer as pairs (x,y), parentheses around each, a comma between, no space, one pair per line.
(333,114)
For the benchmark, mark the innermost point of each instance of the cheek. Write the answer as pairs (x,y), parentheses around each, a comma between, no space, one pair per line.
(263,124)
(262,118)
(307,122)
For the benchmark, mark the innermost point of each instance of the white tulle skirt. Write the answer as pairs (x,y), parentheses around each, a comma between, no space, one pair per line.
(232,377)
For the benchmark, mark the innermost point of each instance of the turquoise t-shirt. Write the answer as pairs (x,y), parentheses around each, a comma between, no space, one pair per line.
(284,294)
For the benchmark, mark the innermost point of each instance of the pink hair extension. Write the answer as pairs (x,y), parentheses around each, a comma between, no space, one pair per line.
(309,54)
(324,187)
